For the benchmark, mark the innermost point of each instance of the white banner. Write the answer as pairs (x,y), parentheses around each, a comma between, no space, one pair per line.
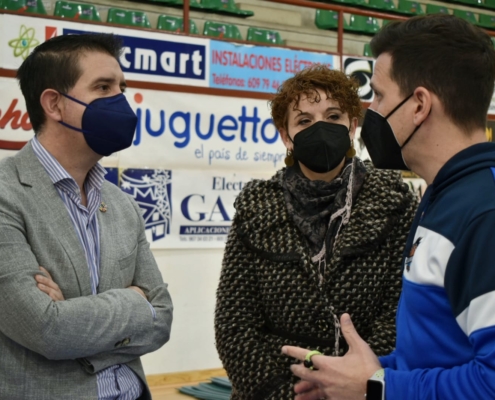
(147,56)
(175,130)
(15,128)
(185,208)
(167,58)
(184,183)
(183,130)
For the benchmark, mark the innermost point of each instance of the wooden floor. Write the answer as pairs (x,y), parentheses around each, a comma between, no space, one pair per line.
(164,387)
(170,392)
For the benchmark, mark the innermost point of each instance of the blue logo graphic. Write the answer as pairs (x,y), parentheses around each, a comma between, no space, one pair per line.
(112,175)
(151,189)
(183,125)
(160,57)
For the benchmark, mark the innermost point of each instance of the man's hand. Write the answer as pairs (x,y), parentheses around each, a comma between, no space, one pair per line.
(48,286)
(336,378)
(137,289)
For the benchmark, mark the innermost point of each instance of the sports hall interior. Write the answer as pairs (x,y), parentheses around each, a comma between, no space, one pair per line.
(296,24)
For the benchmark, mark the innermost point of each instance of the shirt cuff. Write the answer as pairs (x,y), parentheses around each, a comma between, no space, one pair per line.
(153,312)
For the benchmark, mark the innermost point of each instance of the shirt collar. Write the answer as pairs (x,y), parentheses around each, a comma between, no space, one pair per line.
(57,173)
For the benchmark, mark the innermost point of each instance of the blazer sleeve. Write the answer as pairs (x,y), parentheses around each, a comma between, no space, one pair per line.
(251,356)
(79,327)
(382,340)
(148,278)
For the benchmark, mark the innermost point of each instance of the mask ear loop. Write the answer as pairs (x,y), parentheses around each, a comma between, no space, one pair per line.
(74,99)
(414,131)
(399,105)
(77,101)
(289,137)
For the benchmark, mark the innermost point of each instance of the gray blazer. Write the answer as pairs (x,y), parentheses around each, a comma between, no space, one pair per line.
(53,350)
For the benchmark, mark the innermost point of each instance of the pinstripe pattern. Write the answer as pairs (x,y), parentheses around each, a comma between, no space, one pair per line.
(117,382)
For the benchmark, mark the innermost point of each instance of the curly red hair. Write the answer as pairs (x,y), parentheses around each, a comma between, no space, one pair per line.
(335,84)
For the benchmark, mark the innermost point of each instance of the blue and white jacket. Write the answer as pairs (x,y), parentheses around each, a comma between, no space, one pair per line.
(446,316)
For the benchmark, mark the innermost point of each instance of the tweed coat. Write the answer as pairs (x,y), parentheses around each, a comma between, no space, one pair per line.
(270,294)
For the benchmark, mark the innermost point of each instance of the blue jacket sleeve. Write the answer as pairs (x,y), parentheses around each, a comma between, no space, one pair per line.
(388,361)
(472,381)
(470,287)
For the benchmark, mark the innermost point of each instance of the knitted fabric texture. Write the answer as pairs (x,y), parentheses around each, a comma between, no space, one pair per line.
(269,293)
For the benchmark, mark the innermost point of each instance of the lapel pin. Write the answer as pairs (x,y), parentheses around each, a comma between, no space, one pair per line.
(103,207)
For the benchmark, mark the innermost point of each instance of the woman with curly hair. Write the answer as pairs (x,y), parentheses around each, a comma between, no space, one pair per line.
(324,236)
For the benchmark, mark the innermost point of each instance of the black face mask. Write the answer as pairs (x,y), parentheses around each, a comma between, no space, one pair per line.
(380,140)
(322,146)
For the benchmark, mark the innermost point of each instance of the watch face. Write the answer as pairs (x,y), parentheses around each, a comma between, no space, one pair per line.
(374,390)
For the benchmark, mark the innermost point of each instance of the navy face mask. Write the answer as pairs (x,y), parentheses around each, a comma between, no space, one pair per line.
(322,146)
(108,124)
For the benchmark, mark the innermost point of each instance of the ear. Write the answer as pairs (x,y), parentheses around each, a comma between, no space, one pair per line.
(423,99)
(285,138)
(51,101)
(352,130)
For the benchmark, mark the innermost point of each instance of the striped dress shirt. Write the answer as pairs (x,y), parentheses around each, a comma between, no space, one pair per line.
(117,382)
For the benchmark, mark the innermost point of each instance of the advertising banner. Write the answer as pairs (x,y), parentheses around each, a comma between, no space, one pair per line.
(166,58)
(185,208)
(175,130)
(15,128)
(257,68)
(191,156)
(184,130)
(147,56)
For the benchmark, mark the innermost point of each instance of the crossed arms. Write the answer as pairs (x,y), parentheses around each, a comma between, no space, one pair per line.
(86,327)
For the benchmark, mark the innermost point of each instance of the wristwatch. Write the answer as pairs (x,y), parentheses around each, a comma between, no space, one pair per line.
(375,389)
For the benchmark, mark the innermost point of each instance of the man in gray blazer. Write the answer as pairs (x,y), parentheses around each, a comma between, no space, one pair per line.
(81,296)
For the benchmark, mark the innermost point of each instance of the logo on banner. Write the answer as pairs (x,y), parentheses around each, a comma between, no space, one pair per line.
(24,43)
(185,125)
(112,175)
(160,57)
(13,119)
(151,188)
(50,32)
(207,211)
(362,70)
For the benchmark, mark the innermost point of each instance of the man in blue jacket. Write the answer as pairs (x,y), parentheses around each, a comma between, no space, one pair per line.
(433,82)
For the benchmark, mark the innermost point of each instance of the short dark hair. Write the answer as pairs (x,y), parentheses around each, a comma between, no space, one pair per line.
(446,55)
(54,64)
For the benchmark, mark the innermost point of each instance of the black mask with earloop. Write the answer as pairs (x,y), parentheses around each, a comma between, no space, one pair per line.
(322,146)
(381,142)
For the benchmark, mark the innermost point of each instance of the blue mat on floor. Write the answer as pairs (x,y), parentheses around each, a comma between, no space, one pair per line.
(218,389)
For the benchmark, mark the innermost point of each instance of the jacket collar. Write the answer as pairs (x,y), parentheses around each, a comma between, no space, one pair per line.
(49,205)
(270,229)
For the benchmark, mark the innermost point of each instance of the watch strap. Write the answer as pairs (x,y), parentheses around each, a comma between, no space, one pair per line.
(379,375)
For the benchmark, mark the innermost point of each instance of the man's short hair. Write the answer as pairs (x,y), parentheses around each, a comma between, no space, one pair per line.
(54,64)
(448,56)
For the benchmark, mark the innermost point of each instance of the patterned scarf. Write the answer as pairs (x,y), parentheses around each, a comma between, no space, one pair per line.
(320,209)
